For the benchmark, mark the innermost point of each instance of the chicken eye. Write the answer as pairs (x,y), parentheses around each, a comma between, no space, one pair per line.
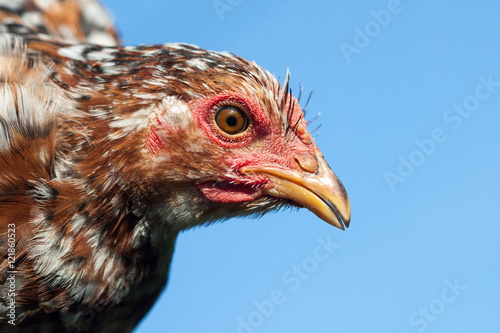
(231,119)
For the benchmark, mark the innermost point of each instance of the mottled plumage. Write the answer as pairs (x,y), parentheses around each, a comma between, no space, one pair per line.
(107,153)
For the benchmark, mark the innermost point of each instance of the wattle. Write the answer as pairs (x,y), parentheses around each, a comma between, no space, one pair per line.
(226,192)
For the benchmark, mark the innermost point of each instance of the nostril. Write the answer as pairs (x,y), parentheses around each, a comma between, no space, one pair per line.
(307,162)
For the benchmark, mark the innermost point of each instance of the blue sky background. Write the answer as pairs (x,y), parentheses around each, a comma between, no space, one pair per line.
(422,253)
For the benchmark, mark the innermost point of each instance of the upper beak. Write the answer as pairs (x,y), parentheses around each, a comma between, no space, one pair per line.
(322,193)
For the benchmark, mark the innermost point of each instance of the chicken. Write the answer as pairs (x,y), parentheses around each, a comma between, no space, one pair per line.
(107,153)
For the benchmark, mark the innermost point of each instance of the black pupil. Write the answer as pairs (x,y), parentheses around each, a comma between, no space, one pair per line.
(231,121)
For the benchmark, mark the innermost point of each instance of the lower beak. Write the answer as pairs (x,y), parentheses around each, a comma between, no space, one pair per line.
(322,193)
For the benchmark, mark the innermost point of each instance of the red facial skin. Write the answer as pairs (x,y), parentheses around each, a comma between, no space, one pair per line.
(154,142)
(258,145)
(259,120)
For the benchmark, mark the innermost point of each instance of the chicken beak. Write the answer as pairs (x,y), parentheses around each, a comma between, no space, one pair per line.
(322,193)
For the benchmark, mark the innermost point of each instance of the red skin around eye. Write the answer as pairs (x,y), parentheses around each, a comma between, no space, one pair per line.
(228,191)
(204,111)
